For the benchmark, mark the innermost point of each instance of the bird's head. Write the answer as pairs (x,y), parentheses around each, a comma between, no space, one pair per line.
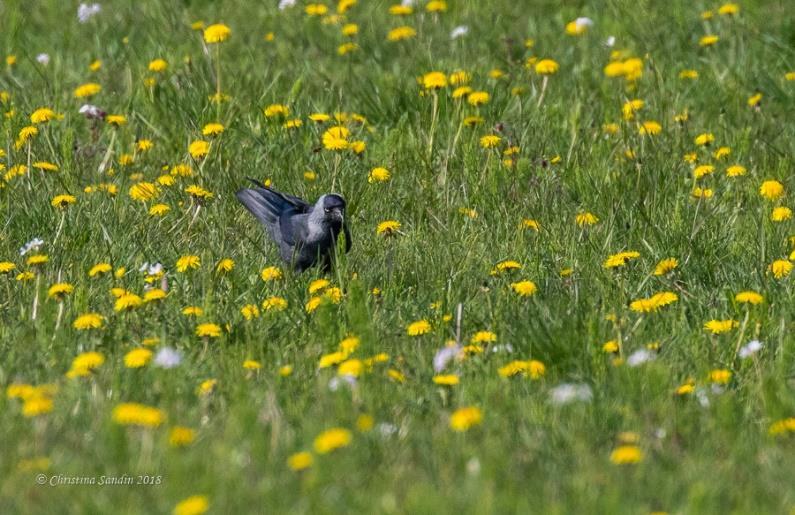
(333,207)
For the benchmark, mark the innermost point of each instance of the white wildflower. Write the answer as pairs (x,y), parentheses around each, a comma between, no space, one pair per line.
(459,31)
(168,358)
(568,392)
(87,11)
(750,348)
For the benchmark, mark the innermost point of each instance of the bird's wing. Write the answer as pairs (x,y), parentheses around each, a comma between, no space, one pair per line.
(267,207)
(292,225)
(300,204)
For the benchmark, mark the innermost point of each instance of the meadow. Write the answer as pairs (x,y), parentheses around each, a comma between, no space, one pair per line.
(569,290)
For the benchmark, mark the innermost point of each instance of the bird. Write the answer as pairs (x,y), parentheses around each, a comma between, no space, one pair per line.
(306,234)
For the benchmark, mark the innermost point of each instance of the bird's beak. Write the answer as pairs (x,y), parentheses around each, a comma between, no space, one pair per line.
(337,213)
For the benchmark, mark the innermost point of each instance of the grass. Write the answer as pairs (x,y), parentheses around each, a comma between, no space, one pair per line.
(460,206)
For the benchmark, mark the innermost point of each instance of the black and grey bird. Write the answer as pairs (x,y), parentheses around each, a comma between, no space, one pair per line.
(306,234)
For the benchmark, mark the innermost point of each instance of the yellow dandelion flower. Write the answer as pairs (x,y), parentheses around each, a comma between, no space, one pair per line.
(771,189)
(336,138)
(159,210)
(547,67)
(117,120)
(154,295)
(271,273)
(181,436)
(250,311)
(87,90)
(37,259)
(446,380)
(653,303)
(720,376)
(620,259)
(137,358)
(708,40)
(99,269)
(749,297)
(189,262)
(199,149)
(585,219)
(650,128)
(250,364)
(463,419)
(478,98)
(60,290)
(143,191)
(401,33)
(720,326)
(490,141)
(505,266)
(208,330)
(735,171)
(388,228)
(194,505)
(780,268)
(84,364)
(274,304)
(300,461)
(62,201)
(332,439)
(127,302)
(781,214)
(665,266)
(418,328)
(483,337)
(36,406)
(626,455)
(524,288)
(43,115)
(434,80)
(217,33)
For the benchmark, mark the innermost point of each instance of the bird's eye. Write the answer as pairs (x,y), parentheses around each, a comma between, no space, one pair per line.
(328,210)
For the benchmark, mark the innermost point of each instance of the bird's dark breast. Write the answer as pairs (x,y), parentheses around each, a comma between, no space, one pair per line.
(335,226)
(310,253)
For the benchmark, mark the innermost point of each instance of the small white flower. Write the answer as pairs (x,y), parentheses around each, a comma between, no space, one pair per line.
(506,347)
(640,357)
(583,21)
(284,4)
(32,245)
(611,40)
(459,31)
(338,381)
(168,358)
(444,356)
(87,11)
(43,59)
(750,348)
(703,398)
(407,3)
(568,392)
(91,111)
(386,429)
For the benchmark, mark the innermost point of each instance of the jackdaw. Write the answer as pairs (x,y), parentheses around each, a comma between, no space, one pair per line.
(306,234)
